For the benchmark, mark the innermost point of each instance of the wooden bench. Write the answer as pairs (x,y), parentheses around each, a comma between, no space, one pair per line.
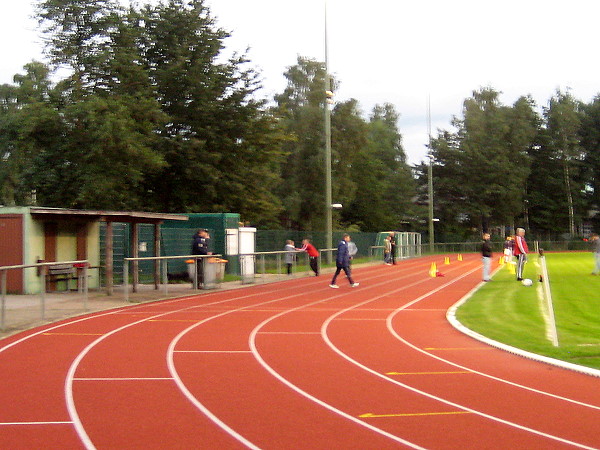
(60,272)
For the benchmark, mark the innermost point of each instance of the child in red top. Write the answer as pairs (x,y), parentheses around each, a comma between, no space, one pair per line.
(313,255)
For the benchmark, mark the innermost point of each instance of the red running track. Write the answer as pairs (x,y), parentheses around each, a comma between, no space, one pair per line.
(290,365)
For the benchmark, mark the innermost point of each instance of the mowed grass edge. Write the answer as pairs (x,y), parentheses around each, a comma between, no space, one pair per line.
(506,311)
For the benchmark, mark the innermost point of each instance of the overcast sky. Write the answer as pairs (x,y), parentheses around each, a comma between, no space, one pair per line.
(396,51)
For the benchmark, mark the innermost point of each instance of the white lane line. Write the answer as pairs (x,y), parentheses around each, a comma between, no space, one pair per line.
(418,391)
(278,376)
(80,430)
(188,394)
(464,408)
(197,403)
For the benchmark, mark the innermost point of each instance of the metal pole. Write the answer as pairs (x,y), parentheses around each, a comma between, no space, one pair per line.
(430,181)
(328,194)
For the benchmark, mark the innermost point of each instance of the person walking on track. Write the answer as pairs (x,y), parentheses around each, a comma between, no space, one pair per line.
(520,251)
(342,262)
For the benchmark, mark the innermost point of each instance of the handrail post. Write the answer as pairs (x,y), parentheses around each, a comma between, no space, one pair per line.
(195,277)
(165,276)
(126,279)
(85,286)
(2,317)
(43,293)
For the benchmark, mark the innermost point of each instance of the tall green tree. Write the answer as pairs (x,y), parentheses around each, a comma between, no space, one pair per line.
(563,121)
(590,141)
(386,188)
(31,130)
(300,108)
(487,159)
(219,140)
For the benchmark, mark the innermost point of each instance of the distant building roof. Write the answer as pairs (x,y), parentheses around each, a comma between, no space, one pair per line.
(106,216)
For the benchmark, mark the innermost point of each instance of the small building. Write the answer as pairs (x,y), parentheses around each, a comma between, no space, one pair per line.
(29,235)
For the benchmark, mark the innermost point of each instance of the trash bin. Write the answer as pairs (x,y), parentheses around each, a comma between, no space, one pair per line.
(214,272)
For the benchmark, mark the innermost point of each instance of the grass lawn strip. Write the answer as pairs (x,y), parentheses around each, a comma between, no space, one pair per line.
(508,315)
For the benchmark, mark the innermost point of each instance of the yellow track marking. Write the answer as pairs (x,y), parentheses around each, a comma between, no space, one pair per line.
(72,334)
(457,348)
(425,373)
(376,416)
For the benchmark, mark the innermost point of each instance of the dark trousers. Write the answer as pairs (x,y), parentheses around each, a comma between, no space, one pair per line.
(199,273)
(314,264)
(393,254)
(348,272)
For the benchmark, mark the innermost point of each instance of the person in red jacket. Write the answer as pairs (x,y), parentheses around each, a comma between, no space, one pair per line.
(520,251)
(313,255)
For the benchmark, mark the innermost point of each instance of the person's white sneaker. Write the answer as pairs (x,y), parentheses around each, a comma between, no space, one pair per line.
(334,286)
(354,285)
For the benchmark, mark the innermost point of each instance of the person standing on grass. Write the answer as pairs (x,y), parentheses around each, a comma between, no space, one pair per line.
(509,245)
(342,262)
(595,240)
(313,255)
(520,251)
(290,256)
(486,256)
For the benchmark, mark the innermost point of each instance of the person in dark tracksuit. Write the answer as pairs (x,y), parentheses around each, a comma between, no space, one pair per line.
(393,247)
(200,243)
(342,262)
(486,256)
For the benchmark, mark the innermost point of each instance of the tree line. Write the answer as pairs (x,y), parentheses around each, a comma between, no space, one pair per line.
(505,166)
(151,115)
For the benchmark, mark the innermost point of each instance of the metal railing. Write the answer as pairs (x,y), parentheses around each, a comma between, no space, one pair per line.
(270,265)
(82,284)
(163,270)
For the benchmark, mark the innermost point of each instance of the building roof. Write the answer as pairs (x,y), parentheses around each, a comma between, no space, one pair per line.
(106,216)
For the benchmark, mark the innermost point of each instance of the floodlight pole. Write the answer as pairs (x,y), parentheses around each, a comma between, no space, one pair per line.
(430,180)
(328,194)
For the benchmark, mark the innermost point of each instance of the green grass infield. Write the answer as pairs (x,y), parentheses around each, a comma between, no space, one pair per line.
(506,311)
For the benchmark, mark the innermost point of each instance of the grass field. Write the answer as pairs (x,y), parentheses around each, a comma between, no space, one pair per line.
(506,311)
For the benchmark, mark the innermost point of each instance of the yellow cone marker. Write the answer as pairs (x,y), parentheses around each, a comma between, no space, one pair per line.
(459,257)
(447,260)
(433,270)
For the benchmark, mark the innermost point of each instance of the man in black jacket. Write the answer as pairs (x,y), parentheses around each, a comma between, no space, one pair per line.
(200,244)
(486,256)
